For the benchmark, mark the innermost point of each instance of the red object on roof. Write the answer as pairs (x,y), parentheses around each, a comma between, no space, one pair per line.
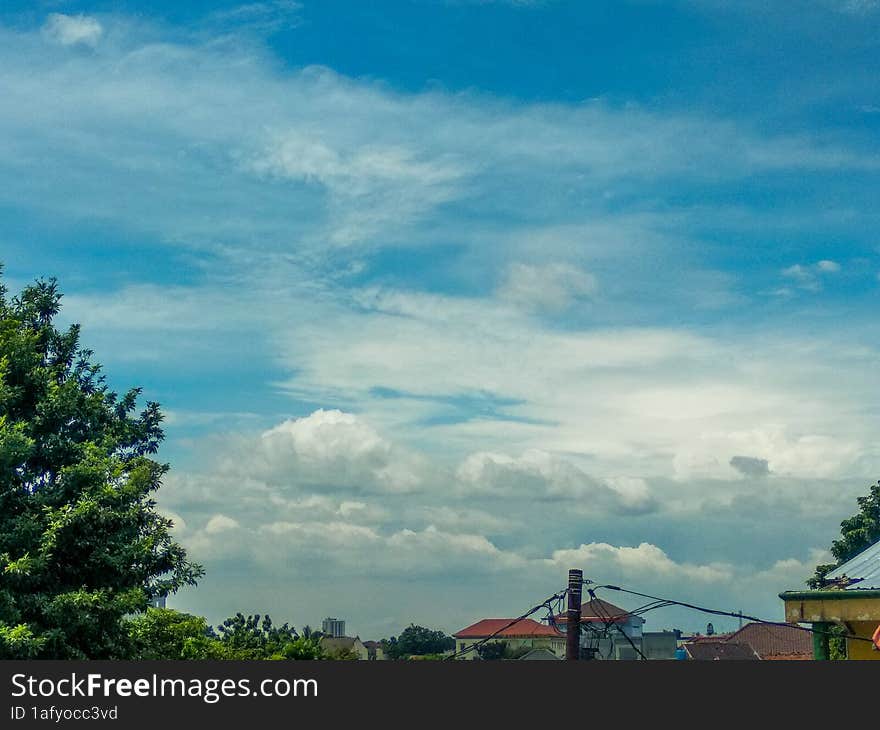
(524,629)
(599,611)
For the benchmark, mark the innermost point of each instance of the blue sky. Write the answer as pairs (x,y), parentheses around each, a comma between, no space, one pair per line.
(444,297)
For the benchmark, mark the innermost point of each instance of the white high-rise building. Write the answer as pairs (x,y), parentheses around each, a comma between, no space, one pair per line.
(333,627)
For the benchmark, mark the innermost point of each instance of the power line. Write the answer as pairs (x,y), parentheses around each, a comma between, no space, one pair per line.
(547,602)
(665,602)
(611,621)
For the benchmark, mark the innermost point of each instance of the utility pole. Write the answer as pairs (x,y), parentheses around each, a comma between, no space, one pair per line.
(573,616)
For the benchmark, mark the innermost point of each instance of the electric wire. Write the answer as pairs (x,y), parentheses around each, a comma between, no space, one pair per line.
(547,602)
(665,602)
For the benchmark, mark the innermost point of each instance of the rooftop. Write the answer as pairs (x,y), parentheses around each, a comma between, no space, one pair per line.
(720,650)
(524,628)
(863,571)
(775,642)
(599,611)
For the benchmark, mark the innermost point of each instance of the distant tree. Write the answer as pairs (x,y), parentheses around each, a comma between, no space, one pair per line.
(309,633)
(417,640)
(857,533)
(304,647)
(254,637)
(81,542)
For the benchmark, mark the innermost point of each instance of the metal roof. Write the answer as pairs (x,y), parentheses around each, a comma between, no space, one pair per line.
(863,570)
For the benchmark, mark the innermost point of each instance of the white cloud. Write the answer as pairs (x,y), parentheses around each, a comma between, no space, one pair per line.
(537,475)
(640,563)
(329,448)
(220,523)
(552,287)
(805,456)
(809,277)
(71,30)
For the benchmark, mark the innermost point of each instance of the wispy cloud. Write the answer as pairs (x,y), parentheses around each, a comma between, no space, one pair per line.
(72,30)
(471,317)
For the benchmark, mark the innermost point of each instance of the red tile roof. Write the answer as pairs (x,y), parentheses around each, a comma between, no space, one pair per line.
(599,611)
(716,650)
(525,628)
(771,642)
(708,637)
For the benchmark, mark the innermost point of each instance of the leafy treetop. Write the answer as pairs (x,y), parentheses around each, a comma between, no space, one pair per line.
(82,544)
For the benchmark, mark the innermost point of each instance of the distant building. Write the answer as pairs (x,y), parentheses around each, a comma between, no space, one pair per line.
(375,652)
(659,644)
(333,627)
(607,631)
(158,602)
(522,634)
(338,644)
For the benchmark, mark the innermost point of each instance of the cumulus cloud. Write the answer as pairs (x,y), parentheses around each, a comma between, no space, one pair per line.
(806,455)
(71,30)
(640,562)
(220,523)
(329,448)
(538,475)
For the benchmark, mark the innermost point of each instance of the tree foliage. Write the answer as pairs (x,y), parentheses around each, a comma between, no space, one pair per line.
(417,641)
(81,542)
(857,533)
(162,633)
(166,634)
(254,637)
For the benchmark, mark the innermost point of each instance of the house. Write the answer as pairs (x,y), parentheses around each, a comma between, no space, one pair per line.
(720,650)
(374,650)
(608,631)
(753,641)
(851,601)
(659,644)
(540,655)
(338,644)
(522,634)
(774,642)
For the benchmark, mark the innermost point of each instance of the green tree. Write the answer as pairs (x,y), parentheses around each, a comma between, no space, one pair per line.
(81,542)
(304,647)
(857,533)
(162,633)
(417,641)
(254,637)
